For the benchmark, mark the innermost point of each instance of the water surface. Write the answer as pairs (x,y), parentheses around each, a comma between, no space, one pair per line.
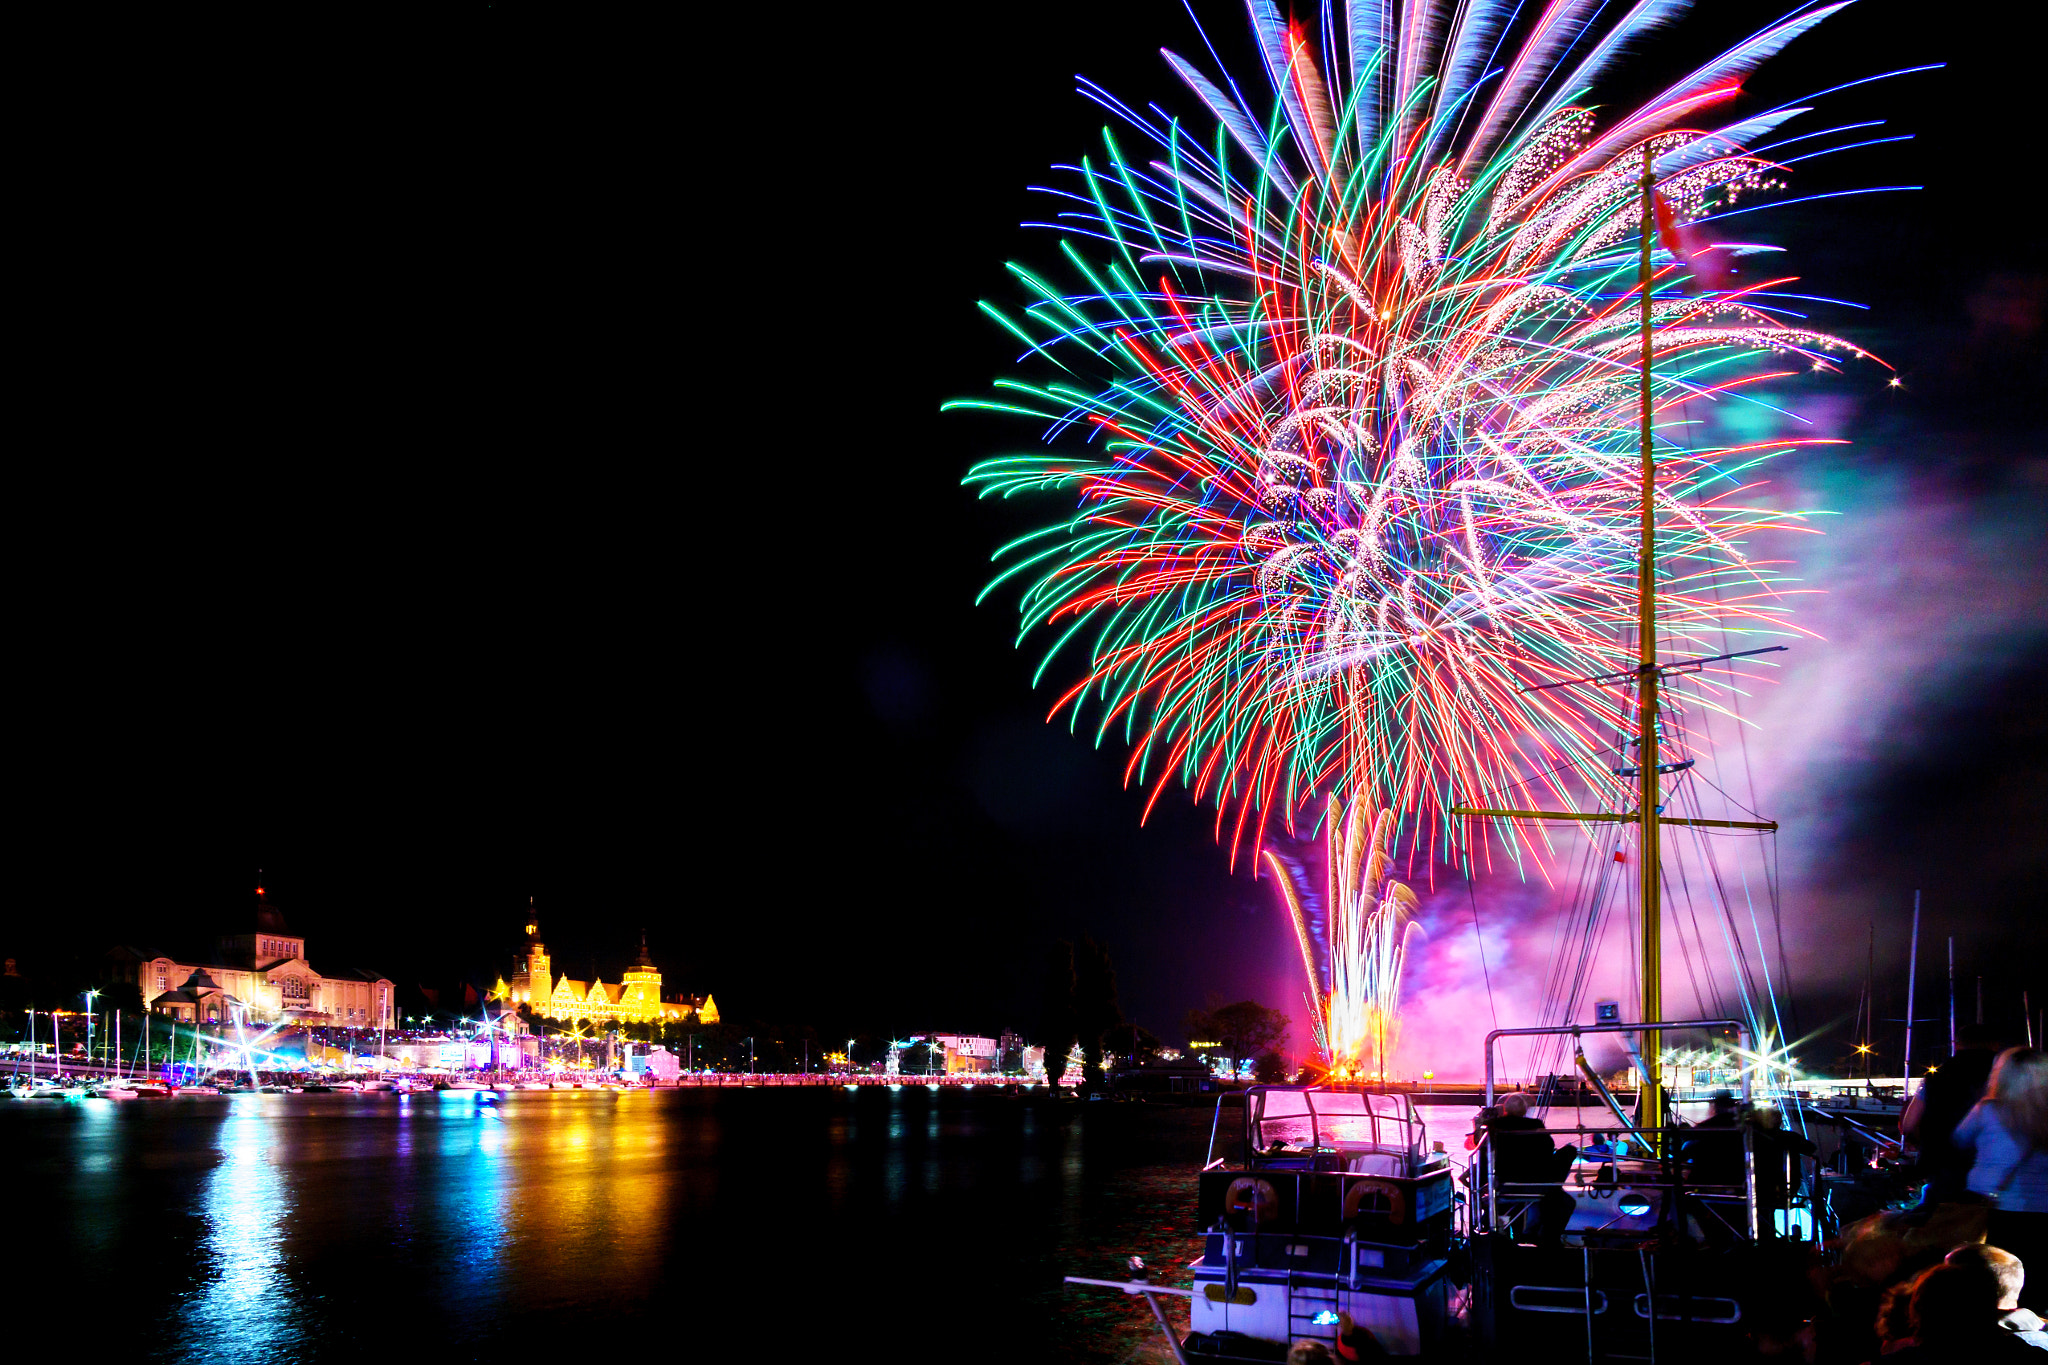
(919,1224)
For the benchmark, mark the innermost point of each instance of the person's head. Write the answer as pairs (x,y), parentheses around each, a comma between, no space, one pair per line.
(2019,1089)
(1515,1106)
(1724,1102)
(1952,1301)
(1895,1312)
(1309,1353)
(2003,1266)
(1978,1037)
(1768,1118)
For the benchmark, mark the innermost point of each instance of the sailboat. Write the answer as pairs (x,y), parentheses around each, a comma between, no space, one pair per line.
(1667,1241)
(1647,1236)
(114,1087)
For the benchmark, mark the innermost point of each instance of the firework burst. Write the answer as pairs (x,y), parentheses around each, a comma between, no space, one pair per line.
(1354,973)
(1346,392)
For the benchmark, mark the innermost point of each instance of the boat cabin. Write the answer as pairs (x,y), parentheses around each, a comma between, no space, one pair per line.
(1335,1202)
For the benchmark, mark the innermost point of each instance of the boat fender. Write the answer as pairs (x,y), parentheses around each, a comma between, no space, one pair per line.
(1396,1197)
(1249,1194)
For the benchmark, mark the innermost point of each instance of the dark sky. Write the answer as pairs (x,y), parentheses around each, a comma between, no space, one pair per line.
(506,461)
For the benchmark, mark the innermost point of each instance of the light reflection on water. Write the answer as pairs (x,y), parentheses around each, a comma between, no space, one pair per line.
(306,1227)
(246,1310)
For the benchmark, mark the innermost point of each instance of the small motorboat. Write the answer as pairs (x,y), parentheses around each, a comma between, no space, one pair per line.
(111,1092)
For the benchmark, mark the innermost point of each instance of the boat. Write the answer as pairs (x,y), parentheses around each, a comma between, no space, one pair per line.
(110,1091)
(1336,1206)
(1644,1237)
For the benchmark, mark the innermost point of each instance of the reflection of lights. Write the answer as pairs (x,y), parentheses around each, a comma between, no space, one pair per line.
(247,1204)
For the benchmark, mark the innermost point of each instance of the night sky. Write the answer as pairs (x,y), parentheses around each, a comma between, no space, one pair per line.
(506,461)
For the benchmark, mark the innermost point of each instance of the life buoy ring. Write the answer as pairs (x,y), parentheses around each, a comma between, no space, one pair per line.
(1249,1194)
(1395,1195)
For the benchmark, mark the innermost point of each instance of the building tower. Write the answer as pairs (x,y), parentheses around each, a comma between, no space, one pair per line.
(640,993)
(540,986)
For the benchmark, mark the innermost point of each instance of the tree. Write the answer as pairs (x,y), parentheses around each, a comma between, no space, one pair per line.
(1130,1043)
(1056,1021)
(1245,1029)
(923,1057)
(1271,1069)
(1095,1006)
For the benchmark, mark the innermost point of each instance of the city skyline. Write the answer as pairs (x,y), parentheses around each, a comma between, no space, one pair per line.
(422,689)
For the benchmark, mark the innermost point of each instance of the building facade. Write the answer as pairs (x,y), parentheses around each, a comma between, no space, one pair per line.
(265,973)
(636,998)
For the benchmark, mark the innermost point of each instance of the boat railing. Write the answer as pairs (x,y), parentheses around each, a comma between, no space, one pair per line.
(1316,1127)
(1604,1168)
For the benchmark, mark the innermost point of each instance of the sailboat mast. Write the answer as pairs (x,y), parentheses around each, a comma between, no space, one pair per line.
(1650,1106)
(1912,980)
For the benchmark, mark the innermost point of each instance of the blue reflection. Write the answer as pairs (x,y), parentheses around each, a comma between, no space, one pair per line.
(246,1309)
(473,1195)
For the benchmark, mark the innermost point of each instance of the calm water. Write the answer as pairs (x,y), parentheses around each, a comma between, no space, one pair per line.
(824,1224)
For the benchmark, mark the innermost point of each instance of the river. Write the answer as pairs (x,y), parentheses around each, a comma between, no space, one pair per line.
(746,1223)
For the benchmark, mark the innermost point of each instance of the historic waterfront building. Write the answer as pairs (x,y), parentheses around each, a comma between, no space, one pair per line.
(263,971)
(635,999)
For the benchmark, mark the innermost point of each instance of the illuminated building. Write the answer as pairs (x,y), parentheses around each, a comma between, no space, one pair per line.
(265,972)
(635,999)
(964,1054)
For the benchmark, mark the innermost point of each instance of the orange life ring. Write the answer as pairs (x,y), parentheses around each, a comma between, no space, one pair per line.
(1250,1194)
(1395,1195)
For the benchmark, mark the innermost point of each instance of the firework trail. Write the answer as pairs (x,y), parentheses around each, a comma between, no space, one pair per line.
(1354,378)
(1354,976)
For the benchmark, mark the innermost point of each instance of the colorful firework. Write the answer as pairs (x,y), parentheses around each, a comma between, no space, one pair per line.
(1358,379)
(1354,973)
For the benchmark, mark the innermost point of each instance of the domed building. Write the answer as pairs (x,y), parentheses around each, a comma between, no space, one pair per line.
(263,970)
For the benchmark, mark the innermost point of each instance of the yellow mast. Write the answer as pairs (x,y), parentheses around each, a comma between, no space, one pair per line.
(1650,1107)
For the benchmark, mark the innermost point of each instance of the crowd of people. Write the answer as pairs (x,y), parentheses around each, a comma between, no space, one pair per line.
(1940,1283)
(1949,1275)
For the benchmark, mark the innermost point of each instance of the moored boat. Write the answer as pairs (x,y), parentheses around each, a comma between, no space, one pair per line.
(1334,1211)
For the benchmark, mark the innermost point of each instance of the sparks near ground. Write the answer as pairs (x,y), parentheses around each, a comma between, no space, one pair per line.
(1354,956)
(1354,375)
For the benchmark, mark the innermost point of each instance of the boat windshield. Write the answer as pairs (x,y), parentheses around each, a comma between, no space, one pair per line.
(1347,1120)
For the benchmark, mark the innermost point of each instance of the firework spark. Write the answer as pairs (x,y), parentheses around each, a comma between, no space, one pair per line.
(1354,975)
(1357,378)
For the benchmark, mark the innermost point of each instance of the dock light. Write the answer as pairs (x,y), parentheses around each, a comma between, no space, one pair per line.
(1326,1318)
